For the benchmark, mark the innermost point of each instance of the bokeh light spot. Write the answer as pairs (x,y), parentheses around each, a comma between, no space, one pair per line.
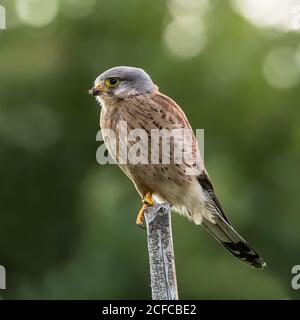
(185,36)
(183,7)
(37,13)
(278,14)
(280,68)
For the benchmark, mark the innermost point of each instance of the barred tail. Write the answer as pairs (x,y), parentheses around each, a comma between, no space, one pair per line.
(233,242)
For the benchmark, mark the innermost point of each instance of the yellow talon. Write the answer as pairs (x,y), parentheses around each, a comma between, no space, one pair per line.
(140,216)
(148,199)
(147,202)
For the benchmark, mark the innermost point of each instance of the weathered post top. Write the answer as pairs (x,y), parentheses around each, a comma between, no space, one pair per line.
(161,252)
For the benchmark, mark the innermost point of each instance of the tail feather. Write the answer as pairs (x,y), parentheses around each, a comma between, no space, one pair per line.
(223,232)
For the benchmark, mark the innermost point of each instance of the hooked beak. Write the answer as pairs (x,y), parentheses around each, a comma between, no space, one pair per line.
(97,90)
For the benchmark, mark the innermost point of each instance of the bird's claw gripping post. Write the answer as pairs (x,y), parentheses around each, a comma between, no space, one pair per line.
(147,202)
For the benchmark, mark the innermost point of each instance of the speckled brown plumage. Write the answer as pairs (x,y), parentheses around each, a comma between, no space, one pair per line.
(152,112)
(128,95)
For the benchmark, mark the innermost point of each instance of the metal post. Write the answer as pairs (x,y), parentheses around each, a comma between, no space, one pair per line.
(161,253)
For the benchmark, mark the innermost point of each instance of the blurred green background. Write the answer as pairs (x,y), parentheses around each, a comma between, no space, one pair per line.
(67,224)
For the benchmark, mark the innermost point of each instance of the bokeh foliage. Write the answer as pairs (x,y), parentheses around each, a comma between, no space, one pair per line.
(67,224)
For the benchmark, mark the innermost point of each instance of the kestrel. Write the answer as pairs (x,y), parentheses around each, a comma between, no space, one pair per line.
(127,94)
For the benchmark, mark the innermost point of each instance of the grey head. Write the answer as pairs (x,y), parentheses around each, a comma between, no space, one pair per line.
(122,82)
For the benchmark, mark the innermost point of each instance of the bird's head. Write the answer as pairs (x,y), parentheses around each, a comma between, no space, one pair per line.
(122,82)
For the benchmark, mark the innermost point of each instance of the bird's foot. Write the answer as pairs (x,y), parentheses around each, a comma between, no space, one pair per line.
(147,202)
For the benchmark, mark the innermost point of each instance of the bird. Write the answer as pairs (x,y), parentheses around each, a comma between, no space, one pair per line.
(128,94)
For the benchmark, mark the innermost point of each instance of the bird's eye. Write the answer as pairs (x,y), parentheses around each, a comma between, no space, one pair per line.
(112,82)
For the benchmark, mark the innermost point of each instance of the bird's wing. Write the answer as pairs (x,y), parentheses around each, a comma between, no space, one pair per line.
(171,116)
(208,188)
(171,107)
(163,113)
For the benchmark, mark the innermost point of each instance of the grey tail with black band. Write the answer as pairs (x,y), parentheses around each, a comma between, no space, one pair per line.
(223,232)
(233,242)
